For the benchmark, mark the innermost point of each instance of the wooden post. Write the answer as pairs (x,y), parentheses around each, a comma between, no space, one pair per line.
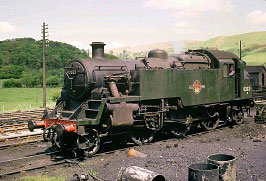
(44,27)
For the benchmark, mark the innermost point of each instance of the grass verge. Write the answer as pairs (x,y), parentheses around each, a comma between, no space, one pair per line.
(42,178)
(12,99)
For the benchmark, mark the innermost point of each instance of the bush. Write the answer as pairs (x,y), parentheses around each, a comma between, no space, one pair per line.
(56,95)
(52,81)
(11,71)
(32,78)
(12,83)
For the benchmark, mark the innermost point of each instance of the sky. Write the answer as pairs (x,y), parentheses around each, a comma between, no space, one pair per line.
(129,22)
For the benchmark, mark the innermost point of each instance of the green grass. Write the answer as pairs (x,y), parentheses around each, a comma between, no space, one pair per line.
(12,99)
(253,46)
(42,178)
(1,82)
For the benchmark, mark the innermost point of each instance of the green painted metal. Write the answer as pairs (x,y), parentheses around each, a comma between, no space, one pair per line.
(246,89)
(86,121)
(245,84)
(195,87)
(192,86)
(99,115)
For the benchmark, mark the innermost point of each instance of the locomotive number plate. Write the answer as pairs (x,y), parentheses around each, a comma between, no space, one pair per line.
(248,88)
(71,72)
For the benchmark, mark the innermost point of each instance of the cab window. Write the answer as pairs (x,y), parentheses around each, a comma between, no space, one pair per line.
(231,72)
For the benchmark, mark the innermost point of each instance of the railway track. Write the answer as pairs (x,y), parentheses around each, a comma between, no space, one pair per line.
(260,102)
(259,95)
(17,134)
(31,162)
(43,160)
(14,129)
(10,118)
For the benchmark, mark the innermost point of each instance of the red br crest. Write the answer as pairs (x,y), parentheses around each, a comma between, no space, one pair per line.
(197,86)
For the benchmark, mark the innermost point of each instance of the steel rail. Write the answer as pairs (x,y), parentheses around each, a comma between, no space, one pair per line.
(75,161)
(13,128)
(31,168)
(20,139)
(10,118)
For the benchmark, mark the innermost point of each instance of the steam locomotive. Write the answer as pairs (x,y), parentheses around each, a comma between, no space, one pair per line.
(137,98)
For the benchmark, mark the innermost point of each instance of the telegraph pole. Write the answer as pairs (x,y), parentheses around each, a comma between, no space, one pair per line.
(44,36)
(240,49)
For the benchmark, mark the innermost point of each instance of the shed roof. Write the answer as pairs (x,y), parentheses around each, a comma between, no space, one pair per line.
(254,69)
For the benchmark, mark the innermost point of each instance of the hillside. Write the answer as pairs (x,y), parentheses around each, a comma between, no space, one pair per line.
(253,46)
(140,51)
(27,53)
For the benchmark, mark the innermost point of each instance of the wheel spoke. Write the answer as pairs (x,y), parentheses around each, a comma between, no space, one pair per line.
(179,130)
(238,117)
(142,136)
(210,124)
(89,143)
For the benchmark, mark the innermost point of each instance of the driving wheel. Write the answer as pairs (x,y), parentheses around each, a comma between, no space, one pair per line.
(238,117)
(142,136)
(90,142)
(210,124)
(180,130)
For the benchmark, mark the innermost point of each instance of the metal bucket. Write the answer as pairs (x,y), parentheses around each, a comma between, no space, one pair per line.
(203,172)
(135,173)
(227,166)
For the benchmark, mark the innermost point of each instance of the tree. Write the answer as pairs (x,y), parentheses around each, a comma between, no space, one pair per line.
(108,56)
(12,83)
(27,52)
(52,81)
(32,78)
(11,71)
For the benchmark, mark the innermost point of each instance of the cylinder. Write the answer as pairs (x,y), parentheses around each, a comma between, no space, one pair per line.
(138,174)
(203,172)
(227,166)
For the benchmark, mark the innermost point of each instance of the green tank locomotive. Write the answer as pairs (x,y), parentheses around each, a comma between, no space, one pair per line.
(137,98)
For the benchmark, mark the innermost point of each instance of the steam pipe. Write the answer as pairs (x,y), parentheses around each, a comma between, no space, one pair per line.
(114,89)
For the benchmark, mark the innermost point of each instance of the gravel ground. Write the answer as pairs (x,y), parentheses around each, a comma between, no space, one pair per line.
(170,157)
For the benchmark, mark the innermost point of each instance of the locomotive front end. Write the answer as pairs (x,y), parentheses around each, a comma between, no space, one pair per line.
(75,121)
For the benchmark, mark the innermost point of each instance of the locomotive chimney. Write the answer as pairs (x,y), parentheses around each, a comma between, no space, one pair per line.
(97,50)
